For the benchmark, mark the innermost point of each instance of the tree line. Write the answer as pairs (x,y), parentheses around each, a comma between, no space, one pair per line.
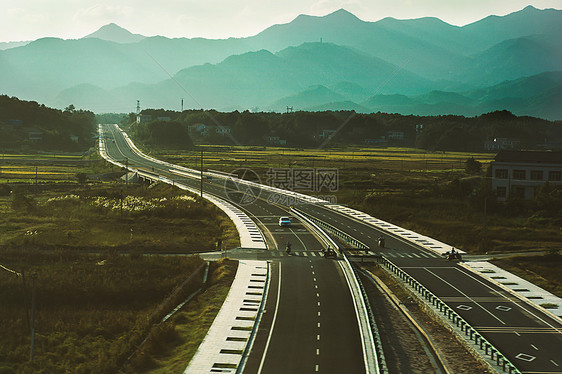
(69,130)
(304,129)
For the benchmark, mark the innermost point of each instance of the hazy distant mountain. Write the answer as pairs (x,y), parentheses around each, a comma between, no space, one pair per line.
(312,97)
(529,21)
(113,33)
(273,81)
(388,39)
(43,68)
(522,87)
(419,65)
(538,95)
(514,58)
(8,45)
(338,106)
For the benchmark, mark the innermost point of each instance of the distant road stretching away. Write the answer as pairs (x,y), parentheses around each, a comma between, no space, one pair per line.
(528,337)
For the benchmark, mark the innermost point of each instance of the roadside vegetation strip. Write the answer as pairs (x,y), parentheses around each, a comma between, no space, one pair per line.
(250,235)
(103,217)
(232,330)
(92,310)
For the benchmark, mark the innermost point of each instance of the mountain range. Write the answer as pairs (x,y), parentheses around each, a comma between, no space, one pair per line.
(334,62)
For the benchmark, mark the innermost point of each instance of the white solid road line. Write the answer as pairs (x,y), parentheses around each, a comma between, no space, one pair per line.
(272,323)
(300,240)
(465,295)
(517,304)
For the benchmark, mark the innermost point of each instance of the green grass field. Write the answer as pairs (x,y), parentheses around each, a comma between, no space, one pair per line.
(98,297)
(429,192)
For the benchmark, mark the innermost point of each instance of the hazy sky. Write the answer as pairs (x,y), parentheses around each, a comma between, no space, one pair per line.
(32,19)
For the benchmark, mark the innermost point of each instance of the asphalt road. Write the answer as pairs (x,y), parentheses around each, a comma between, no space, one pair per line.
(529,338)
(310,323)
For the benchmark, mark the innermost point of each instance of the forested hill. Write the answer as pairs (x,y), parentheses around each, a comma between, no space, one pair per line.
(27,125)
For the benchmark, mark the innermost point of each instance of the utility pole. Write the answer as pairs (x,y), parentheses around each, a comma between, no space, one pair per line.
(485,210)
(201,173)
(126,173)
(182,105)
(34,277)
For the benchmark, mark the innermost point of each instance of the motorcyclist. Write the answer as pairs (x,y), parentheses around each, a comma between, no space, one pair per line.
(381,241)
(288,248)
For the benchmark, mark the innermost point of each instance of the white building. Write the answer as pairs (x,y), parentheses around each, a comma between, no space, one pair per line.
(500,144)
(521,173)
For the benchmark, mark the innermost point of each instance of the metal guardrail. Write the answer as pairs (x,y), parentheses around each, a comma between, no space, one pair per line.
(326,240)
(380,361)
(484,345)
(335,231)
(473,335)
(372,322)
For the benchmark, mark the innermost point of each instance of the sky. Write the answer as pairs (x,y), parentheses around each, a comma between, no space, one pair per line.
(70,19)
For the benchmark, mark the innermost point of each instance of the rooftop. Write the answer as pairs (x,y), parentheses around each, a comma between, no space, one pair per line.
(542,157)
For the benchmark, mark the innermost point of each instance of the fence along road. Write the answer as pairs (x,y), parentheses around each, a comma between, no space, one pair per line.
(527,337)
(315,328)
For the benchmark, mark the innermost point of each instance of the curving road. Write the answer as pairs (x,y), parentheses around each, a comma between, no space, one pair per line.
(529,338)
(309,324)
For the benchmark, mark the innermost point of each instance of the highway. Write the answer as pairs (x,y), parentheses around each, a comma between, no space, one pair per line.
(309,310)
(529,338)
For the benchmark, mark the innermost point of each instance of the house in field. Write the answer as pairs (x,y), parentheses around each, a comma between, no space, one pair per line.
(395,135)
(223,130)
(325,134)
(275,140)
(501,144)
(33,134)
(520,173)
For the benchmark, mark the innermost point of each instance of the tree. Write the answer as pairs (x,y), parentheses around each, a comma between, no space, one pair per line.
(82,177)
(472,166)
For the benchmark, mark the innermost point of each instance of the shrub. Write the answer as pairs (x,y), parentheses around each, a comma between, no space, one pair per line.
(5,189)
(23,203)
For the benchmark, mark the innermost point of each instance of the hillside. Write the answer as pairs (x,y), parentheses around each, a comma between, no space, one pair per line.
(112,68)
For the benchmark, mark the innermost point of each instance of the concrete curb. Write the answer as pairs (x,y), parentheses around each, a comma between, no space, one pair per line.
(225,344)
(250,235)
(486,269)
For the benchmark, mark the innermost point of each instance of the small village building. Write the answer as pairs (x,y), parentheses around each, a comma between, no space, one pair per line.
(521,173)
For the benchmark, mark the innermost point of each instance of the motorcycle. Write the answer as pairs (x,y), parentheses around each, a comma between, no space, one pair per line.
(381,242)
(452,256)
(329,252)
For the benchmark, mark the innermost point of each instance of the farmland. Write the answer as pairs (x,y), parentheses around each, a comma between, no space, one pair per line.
(98,295)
